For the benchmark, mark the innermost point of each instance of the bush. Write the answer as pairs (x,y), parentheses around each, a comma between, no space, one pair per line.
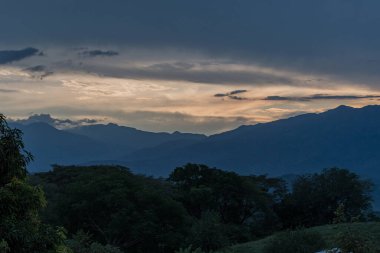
(198,250)
(4,246)
(208,233)
(297,241)
(354,240)
(83,243)
(189,250)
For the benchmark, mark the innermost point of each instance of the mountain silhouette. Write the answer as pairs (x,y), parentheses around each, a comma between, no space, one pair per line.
(343,137)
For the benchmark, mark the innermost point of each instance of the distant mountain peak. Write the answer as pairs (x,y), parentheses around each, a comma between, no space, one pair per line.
(342,107)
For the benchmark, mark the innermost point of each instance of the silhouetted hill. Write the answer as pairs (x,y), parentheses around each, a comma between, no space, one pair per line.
(344,137)
(130,139)
(81,145)
(52,146)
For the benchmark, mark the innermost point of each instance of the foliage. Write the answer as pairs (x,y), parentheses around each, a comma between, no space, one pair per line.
(340,216)
(13,157)
(83,243)
(297,241)
(134,213)
(189,250)
(198,250)
(208,233)
(4,248)
(240,200)
(354,240)
(315,198)
(20,227)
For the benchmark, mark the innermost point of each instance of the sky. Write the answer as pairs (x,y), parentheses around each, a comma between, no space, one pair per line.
(193,66)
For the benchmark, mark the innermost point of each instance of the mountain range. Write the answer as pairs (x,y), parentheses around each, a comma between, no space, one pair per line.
(344,137)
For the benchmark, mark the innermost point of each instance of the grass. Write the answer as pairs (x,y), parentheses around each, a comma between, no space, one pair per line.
(328,232)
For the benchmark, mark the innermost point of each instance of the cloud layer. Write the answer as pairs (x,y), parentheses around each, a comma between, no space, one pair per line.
(206,65)
(331,37)
(57,123)
(9,56)
(97,52)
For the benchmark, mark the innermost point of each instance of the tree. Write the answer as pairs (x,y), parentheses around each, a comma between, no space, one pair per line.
(132,212)
(315,198)
(208,233)
(82,242)
(20,227)
(239,200)
(13,157)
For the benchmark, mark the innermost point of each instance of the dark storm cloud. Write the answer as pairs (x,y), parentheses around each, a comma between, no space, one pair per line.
(320,97)
(9,56)
(94,53)
(334,37)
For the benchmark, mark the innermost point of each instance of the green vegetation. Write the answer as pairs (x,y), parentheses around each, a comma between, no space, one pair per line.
(134,213)
(315,198)
(21,229)
(296,241)
(108,209)
(330,235)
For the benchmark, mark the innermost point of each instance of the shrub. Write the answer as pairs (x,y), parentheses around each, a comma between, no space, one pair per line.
(189,250)
(297,241)
(4,246)
(198,250)
(208,233)
(83,243)
(354,240)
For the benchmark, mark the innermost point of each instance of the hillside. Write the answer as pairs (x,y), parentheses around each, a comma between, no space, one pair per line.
(87,144)
(345,137)
(328,232)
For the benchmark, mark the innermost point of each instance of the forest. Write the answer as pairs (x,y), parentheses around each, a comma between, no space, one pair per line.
(109,209)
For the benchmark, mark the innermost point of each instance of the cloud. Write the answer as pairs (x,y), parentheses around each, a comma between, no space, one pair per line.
(192,72)
(319,97)
(238,98)
(232,95)
(39,71)
(333,37)
(7,91)
(9,56)
(155,121)
(168,121)
(38,68)
(57,123)
(281,98)
(237,92)
(94,53)
(177,66)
